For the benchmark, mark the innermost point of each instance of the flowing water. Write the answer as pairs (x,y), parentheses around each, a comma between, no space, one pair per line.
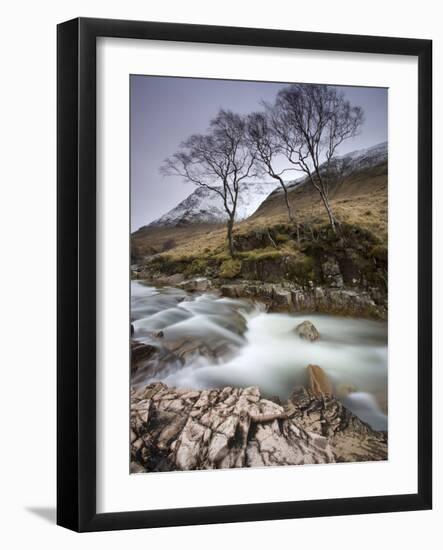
(232,342)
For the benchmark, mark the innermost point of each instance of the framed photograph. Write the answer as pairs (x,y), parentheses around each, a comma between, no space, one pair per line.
(244,274)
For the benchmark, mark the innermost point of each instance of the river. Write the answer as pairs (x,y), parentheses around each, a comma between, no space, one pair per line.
(232,342)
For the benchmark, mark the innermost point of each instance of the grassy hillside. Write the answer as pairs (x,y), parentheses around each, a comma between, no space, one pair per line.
(268,250)
(360,200)
(152,240)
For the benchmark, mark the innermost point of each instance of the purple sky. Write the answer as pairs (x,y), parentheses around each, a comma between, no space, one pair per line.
(166,110)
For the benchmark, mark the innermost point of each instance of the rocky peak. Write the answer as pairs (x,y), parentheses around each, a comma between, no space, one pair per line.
(206,206)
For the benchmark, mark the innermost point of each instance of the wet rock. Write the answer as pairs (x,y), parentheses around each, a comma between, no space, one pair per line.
(235,323)
(170,280)
(179,429)
(187,349)
(319,383)
(169,353)
(141,353)
(149,360)
(199,284)
(307,331)
(176,278)
(231,291)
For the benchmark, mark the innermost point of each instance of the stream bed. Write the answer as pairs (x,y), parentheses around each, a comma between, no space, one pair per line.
(234,342)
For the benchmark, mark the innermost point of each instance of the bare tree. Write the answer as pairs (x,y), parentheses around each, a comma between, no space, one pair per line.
(219,160)
(340,168)
(311,121)
(266,147)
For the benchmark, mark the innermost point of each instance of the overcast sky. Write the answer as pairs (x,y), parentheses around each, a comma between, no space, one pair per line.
(166,110)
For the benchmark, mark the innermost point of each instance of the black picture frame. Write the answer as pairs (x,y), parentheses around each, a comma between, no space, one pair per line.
(76,294)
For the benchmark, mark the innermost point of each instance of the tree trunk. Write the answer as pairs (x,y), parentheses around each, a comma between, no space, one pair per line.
(288,206)
(230,226)
(331,217)
(290,214)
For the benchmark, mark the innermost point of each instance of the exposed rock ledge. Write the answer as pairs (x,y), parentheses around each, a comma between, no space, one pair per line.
(290,297)
(286,296)
(179,429)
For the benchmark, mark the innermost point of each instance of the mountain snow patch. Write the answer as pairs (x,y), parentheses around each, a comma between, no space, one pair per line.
(206,206)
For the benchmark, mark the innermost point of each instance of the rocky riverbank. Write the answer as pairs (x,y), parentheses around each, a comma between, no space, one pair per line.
(183,429)
(285,296)
(342,274)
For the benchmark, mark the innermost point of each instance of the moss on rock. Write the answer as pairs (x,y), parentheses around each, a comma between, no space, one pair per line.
(230,268)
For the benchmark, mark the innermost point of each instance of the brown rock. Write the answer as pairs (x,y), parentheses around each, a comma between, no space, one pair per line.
(140,353)
(319,383)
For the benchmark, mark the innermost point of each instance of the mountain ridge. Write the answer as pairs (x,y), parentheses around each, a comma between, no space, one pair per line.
(206,206)
(359,159)
(203,206)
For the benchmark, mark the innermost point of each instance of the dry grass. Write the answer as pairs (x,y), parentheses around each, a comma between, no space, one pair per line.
(360,200)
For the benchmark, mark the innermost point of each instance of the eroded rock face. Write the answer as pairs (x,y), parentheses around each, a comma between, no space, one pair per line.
(307,331)
(339,301)
(370,302)
(351,439)
(331,273)
(200,284)
(253,240)
(170,280)
(179,429)
(282,298)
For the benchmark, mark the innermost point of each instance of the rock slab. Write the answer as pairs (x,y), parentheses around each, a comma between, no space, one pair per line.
(179,429)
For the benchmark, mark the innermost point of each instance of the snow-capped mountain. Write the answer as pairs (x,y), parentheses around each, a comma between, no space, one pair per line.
(361,159)
(206,206)
(366,158)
